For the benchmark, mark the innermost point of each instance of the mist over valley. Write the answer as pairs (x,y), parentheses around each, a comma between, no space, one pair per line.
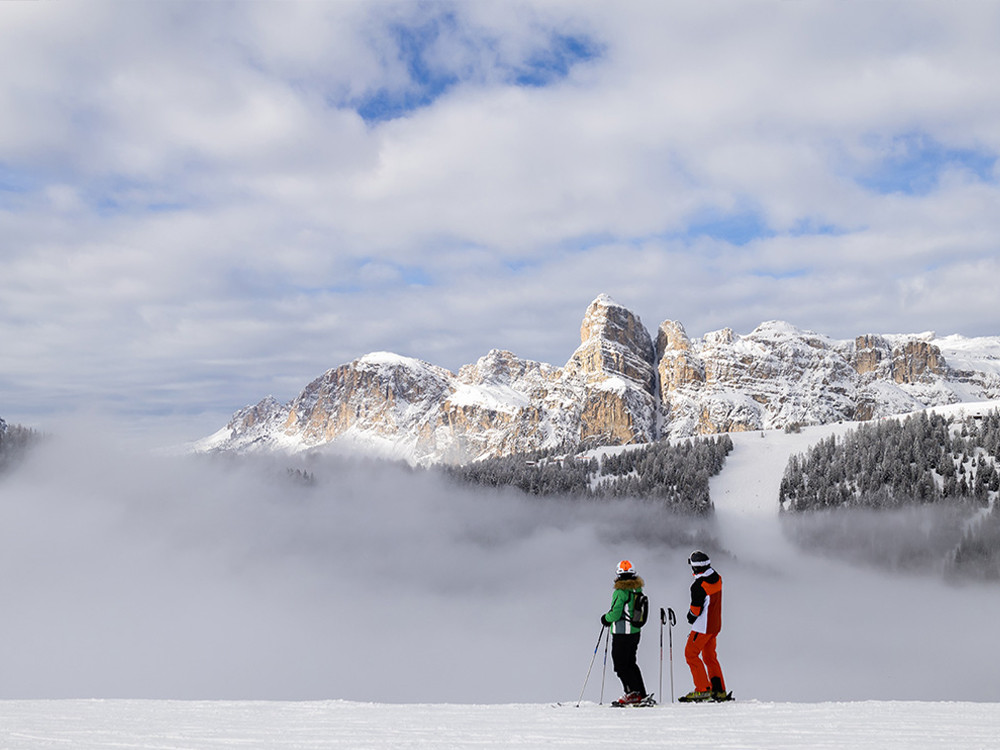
(322,576)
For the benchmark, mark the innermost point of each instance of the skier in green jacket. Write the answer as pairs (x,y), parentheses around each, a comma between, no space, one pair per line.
(625,634)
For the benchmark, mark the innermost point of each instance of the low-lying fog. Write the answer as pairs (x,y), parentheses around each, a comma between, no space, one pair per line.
(187,577)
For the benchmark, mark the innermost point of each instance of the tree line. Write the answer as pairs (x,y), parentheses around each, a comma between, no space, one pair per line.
(926,458)
(15,440)
(677,475)
(924,491)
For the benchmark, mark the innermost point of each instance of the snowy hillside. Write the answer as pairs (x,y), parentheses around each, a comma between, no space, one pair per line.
(621,386)
(98,725)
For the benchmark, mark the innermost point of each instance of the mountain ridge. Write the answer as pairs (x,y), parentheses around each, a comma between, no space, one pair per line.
(620,386)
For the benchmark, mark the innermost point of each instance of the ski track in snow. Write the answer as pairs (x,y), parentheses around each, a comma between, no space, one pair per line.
(208,725)
(745,493)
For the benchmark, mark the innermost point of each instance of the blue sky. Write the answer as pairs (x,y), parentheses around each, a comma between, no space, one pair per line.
(205,203)
(915,163)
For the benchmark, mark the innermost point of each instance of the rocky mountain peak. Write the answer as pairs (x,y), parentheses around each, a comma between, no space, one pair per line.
(722,337)
(253,417)
(499,367)
(613,342)
(671,335)
(607,392)
(615,367)
(677,362)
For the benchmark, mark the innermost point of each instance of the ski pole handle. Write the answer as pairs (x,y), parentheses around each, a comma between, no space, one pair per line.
(663,617)
(673,617)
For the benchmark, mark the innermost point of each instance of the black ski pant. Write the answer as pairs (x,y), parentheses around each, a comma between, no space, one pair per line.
(624,647)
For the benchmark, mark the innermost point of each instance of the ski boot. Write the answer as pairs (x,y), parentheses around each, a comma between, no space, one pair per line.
(696,696)
(719,694)
(629,699)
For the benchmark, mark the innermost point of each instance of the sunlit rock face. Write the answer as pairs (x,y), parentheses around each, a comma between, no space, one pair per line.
(917,362)
(604,395)
(619,387)
(381,396)
(773,376)
(501,405)
(905,360)
(614,343)
(614,373)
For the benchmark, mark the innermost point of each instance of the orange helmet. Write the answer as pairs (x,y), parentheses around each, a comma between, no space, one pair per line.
(625,568)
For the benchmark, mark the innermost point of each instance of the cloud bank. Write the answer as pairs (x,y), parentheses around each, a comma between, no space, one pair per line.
(129,576)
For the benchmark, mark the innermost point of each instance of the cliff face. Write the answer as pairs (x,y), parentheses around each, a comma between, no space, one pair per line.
(614,372)
(773,376)
(500,405)
(907,361)
(618,387)
(380,396)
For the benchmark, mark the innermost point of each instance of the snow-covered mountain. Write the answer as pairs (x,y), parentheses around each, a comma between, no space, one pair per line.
(620,386)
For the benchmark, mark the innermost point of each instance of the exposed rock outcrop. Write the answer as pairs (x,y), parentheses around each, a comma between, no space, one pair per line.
(615,371)
(618,387)
(383,394)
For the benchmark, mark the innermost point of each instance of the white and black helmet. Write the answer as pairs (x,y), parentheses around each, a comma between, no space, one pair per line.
(699,559)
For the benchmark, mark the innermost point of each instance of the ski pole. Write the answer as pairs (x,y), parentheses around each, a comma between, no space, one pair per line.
(592,659)
(673,621)
(663,621)
(604,672)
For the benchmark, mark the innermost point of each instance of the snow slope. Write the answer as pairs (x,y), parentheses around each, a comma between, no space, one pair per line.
(787,612)
(171,725)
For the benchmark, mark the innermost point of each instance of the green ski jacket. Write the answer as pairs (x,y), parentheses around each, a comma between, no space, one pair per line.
(622,601)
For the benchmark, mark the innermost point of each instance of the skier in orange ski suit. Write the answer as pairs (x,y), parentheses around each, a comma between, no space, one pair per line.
(705,617)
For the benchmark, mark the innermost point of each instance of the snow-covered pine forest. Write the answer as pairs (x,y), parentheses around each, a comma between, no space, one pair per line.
(921,493)
(15,440)
(924,459)
(676,474)
(909,493)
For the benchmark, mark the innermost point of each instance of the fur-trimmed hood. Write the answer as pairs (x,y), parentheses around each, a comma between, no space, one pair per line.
(630,584)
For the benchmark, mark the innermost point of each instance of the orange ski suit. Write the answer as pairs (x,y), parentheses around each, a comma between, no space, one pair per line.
(705,616)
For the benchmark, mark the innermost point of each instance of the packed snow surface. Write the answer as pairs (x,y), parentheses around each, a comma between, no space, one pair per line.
(208,725)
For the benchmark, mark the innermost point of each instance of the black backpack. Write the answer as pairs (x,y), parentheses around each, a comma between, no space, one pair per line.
(640,609)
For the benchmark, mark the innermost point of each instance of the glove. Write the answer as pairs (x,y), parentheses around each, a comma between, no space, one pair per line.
(691,617)
(605,622)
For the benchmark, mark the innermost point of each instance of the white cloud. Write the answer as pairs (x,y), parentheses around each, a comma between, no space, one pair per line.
(186,186)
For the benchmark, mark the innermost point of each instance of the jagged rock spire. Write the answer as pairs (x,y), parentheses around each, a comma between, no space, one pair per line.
(617,388)
(613,341)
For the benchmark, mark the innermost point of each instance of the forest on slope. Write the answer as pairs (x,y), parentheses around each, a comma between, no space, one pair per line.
(15,440)
(913,494)
(674,474)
